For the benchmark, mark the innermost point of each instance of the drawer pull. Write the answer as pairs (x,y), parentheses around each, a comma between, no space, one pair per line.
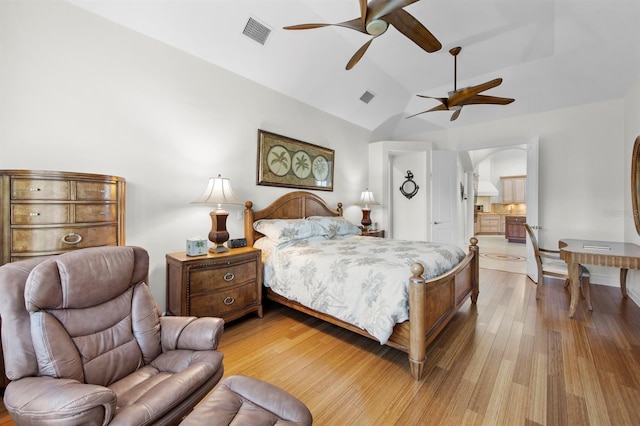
(228,300)
(228,276)
(34,214)
(35,189)
(103,213)
(72,238)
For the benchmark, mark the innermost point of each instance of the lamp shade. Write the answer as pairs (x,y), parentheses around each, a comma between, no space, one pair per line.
(367,199)
(218,192)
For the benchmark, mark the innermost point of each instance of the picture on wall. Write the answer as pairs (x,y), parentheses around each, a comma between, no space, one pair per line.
(283,161)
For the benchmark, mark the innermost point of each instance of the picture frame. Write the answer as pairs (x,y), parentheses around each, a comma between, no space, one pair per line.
(288,162)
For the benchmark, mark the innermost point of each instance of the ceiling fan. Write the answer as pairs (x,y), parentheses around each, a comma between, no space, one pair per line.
(467,96)
(374,20)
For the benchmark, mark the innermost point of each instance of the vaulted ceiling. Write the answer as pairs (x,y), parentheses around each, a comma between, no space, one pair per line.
(551,54)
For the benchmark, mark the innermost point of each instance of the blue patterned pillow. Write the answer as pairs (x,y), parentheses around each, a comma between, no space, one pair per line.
(335,226)
(286,230)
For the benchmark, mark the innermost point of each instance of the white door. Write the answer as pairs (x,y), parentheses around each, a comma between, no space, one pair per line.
(444,168)
(532,205)
(407,215)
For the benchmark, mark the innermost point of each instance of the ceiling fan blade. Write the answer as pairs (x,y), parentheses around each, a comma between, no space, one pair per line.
(404,22)
(443,101)
(435,108)
(363,13)
(305,26)
(489,100)
(455,114)
(354,24)
(381,8)
(358,55)
(463,94)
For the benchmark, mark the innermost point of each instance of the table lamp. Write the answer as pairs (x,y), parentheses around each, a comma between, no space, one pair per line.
(366,200)
(218,192)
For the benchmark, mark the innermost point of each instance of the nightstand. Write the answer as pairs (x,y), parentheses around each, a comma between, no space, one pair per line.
(226,285)
(377,233)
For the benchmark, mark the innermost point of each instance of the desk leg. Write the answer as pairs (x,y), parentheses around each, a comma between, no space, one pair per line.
(574,279)
(623,282)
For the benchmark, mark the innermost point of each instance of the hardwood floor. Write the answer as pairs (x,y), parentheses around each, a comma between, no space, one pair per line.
(510,360)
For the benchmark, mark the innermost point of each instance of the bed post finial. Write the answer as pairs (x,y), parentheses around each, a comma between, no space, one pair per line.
(340,209)
(475,269)
(248,223)
(417,328)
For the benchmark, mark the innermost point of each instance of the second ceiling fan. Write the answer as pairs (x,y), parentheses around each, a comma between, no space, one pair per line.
(374,20)
(467,96)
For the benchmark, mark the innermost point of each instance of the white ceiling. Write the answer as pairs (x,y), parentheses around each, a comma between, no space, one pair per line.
(551,53)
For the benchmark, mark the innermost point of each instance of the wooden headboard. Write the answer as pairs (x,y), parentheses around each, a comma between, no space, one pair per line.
(294,205)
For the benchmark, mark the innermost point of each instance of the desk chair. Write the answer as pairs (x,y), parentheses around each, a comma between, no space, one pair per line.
(550,264)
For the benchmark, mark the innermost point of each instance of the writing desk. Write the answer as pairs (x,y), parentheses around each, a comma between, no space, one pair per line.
(601,253)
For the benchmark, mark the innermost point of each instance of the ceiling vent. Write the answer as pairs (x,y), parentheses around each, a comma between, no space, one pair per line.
(367,96)
(256,31)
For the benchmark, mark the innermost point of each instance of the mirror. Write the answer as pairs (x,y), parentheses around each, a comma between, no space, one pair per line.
(635,183)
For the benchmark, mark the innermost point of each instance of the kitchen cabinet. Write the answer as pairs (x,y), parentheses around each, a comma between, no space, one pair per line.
(514,229)
(513,189)
(488,224)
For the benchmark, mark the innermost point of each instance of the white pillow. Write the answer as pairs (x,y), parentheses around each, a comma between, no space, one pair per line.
(335,226)
(286,230)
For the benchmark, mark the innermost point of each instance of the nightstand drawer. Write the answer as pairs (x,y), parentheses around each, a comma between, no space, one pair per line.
(201,280)
(224,302)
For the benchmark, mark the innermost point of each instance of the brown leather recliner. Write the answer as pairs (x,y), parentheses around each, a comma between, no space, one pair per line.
(84,343)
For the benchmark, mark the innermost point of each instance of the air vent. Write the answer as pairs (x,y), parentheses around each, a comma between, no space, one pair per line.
(367,96)
(256,31)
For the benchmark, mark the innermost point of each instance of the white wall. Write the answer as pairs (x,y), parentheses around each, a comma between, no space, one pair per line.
(79,93)
(631,132)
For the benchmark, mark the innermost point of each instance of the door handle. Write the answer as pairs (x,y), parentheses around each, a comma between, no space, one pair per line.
(435,222)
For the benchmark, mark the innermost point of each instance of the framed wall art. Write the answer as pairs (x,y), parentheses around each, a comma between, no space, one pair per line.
(288,162)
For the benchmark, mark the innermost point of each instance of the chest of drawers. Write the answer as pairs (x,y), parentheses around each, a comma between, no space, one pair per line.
(45,212)
(226,285)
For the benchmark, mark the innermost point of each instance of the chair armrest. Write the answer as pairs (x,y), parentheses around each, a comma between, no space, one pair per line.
(551,254)
(192,333)
(45,400)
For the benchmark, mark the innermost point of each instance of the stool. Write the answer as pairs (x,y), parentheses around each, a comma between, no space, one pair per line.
(248,401)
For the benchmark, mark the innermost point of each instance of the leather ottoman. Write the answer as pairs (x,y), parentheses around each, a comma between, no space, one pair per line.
(244,400)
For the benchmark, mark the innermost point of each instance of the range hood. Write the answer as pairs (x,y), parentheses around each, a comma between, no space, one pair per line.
(487,189)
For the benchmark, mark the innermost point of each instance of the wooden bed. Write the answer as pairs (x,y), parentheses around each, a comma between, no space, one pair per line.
(432,303)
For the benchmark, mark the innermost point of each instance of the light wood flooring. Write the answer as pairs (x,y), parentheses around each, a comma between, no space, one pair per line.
(510,360)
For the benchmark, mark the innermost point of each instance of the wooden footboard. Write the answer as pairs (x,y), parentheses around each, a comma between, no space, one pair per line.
(432,303)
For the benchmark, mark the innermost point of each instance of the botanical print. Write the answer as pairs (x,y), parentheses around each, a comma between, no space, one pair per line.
(283,161)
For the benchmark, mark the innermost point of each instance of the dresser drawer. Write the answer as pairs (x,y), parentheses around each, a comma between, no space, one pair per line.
(96,213)
(210,279)
(40,189)
(39,214)
(60,239)
(96,191)
(225,301)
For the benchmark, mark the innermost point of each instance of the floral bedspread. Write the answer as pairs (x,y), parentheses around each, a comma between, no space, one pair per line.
(361,280)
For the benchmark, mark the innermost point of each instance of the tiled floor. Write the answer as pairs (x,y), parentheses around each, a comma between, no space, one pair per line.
(497,253)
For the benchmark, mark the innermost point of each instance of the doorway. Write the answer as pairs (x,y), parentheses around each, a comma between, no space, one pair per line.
(495,251)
